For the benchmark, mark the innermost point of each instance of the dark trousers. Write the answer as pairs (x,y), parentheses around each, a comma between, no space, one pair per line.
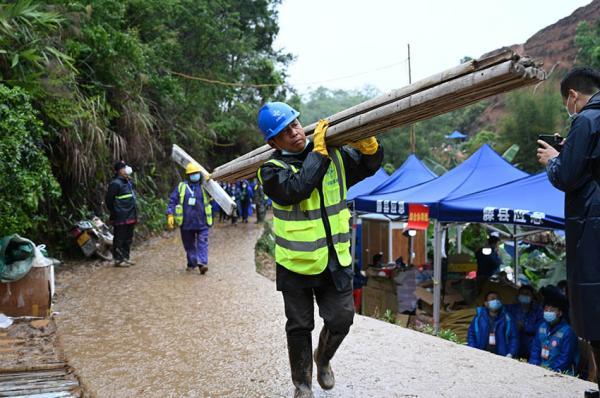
(122,239)
(335,307)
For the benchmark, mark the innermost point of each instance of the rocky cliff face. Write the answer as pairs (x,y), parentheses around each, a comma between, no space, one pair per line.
(555,45)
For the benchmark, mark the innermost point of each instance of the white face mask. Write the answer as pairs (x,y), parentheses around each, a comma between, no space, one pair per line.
(571,115)
(128,170)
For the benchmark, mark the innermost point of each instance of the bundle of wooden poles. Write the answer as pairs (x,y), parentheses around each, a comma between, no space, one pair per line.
(454,88)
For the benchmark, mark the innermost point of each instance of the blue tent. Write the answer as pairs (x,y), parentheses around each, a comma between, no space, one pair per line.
(530,201)
(367,185)
(411,173)
(482,170)
(456,135)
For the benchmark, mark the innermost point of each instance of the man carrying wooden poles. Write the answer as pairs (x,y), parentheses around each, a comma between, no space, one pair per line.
(307,182)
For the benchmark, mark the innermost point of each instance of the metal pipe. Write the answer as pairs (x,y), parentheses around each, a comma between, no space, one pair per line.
(437,275)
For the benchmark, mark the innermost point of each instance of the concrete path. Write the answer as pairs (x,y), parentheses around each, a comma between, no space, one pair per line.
(154,330)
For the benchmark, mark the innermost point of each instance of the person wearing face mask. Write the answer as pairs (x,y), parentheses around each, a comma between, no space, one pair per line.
(493,329)
(246,196)
(121,203)
(308,182)
(555,343)
(190,208)
(576,171)
(527,315)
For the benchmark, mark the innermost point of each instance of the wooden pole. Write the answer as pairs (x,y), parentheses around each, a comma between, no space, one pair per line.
(412,126)
(445,92)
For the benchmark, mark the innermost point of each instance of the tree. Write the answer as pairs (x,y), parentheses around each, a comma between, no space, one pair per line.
(26,180)
(125,79)
(587,40)
(529,114)
(323,102)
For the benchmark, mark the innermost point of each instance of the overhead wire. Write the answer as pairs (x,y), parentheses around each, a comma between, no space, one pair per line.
(263,85)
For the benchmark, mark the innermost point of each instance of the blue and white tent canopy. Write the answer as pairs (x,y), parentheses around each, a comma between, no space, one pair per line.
(411,173)
(482,170)
(530,201)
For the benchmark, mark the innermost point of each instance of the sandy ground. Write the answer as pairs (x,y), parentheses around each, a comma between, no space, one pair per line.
(154,330)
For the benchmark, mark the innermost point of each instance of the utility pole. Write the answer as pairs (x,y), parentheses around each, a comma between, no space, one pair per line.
(412,129)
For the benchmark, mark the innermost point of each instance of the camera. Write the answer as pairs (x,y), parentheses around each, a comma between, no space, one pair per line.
(555,141)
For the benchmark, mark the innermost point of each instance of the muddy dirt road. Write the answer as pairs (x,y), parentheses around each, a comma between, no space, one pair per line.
(154,330)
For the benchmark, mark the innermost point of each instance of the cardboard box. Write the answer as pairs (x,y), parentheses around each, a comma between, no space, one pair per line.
(29,296)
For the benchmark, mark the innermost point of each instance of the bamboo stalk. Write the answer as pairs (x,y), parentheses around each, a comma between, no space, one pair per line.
(409,105)
(395,95)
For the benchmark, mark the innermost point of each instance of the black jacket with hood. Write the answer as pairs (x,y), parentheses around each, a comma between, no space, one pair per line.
(576,171)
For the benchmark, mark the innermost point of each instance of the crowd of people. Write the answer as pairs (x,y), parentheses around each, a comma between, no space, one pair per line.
(249,197)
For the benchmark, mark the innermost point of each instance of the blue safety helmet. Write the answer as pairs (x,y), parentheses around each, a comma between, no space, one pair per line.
(273,117)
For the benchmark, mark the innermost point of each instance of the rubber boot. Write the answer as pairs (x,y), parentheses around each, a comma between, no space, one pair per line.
(596,353)
(328,345)
(299,350)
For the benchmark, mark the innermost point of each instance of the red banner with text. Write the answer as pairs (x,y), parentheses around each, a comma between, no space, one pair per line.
(418,217)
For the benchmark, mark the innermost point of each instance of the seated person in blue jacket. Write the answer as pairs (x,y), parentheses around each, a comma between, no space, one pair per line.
(555,344)
(493,329)
(527,315)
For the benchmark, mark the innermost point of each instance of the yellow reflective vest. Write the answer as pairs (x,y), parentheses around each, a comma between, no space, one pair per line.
(300,236)
(179,207)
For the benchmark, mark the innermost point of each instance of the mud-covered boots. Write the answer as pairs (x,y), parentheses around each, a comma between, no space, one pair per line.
(596,352)
(300,353)
(328,345)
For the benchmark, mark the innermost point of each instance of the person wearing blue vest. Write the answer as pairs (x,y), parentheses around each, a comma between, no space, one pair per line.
(555,345)
(527,315)
(307,182)
(122,205)
(493,329)
(190,208)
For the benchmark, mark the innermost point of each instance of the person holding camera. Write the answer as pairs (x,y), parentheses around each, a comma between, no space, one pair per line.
(576,171)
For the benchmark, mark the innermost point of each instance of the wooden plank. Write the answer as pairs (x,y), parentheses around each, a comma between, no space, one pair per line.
(21,375)
(61,394)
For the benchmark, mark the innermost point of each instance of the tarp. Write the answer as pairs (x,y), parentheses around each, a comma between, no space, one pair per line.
(482,170)
(367,185)
(530,201)
(456,135)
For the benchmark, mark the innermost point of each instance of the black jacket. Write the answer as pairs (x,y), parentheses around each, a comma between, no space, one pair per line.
(286,188)
(576,171)
(123,210)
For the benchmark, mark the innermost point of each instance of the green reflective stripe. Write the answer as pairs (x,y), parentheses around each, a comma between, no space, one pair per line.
(126,196)
(296,214)
(279,163)
(310,246)
(181,190)
(340,173)
(207,207)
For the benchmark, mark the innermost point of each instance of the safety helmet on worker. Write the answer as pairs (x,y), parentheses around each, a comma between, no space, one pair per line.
(274,117)
(192,167)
